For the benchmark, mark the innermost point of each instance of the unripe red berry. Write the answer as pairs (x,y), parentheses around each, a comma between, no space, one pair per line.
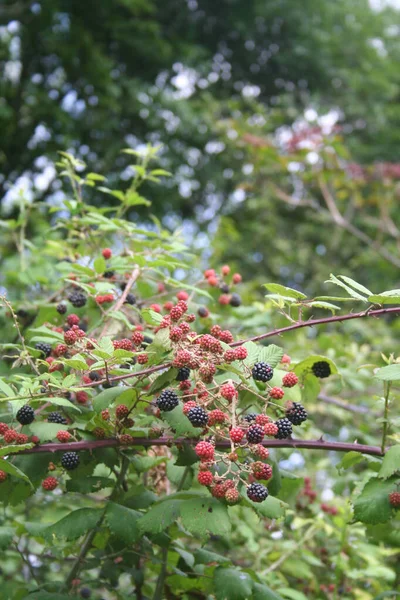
(73,319)
(209,273)
(142,359)
(82,397)
(218,490)
(204,450)
(237,278)
(225,270)
(205,478)
(232,496)
(155,307)
(126,439)
(262,419)
(182,295)
(63,436)
(121,411)
(216,416)
(3,428)
(105,414)
(286,360)
(99,433)
(236,434)
(188,405)
(270,429)
(70,337)
(175,334)
(107,253)
(213,281)
(261,451)
(137,338)
(10,436)
(394,499)
(168,305)
(226,336)
(215,331)
(224,299)
(49,484)
(176,313)
(3,476)
(289,380)
(229,356)
(35,439)
(123,344)
(22,438)
(277,393)
(228,391)
(241,353)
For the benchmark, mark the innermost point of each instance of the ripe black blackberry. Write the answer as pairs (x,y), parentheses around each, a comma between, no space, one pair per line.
(70,460)
(284,428)
(94,376)
(257,492)
(56,417)
(198,416)
(255,434)
(203,312)
(183,374)
(296,414)
(235,300)
(262,372)
(321,369)
(44,347)
(250,417)
(146,341)
(25,415)
(61,308)
(77,299)
(224,287)
(108,274)
(130,299)
(167,400)
(85,592)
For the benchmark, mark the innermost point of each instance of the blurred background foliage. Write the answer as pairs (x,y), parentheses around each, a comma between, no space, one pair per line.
(256,104)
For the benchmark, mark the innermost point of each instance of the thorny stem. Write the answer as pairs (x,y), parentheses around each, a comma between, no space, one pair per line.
(168,440)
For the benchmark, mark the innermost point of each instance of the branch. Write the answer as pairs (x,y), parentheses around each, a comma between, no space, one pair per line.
(311,322)
(362,410)
(168,440)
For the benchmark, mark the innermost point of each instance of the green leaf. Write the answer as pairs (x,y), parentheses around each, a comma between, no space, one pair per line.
(160,516)
(325,305)
(186,456)
(78,362)
(122,522)
(89,484)
(14,449)
(311,388)
(151,316)
(11,469)
(263,592)
(180,424)
(46,431)
(106,398)
(372,505)
(292,594)
(349,460)
(350,290)
(390,463)
(205,557)
(6,535)
(100,265)
(73,525)
(277,288)
(6,389)
(162,380)
(390,297)
(305,365)
(57,402)
(205,515)
(270,354)
(355,285)
(272,508)
(232,584)
(388,373)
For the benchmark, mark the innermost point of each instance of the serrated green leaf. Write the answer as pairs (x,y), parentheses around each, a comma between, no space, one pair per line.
(106,397)
(232,584)
(162,380)
(355,285)
(389,373)
(122,522)
(277,288)
(151,316)
(6,389)
(100,265)
(263,592)
(160,516)
(349,460)
(89,484)
(325,305)
(206,557)
(12,469)
(372,505)
(390,463)
(6,535)
(74,524)
(205,515)
(57,401)
(348,289)
(270,354)
(14,449)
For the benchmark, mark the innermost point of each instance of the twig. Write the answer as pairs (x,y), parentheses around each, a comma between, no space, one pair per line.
(387,386)
(362,410)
